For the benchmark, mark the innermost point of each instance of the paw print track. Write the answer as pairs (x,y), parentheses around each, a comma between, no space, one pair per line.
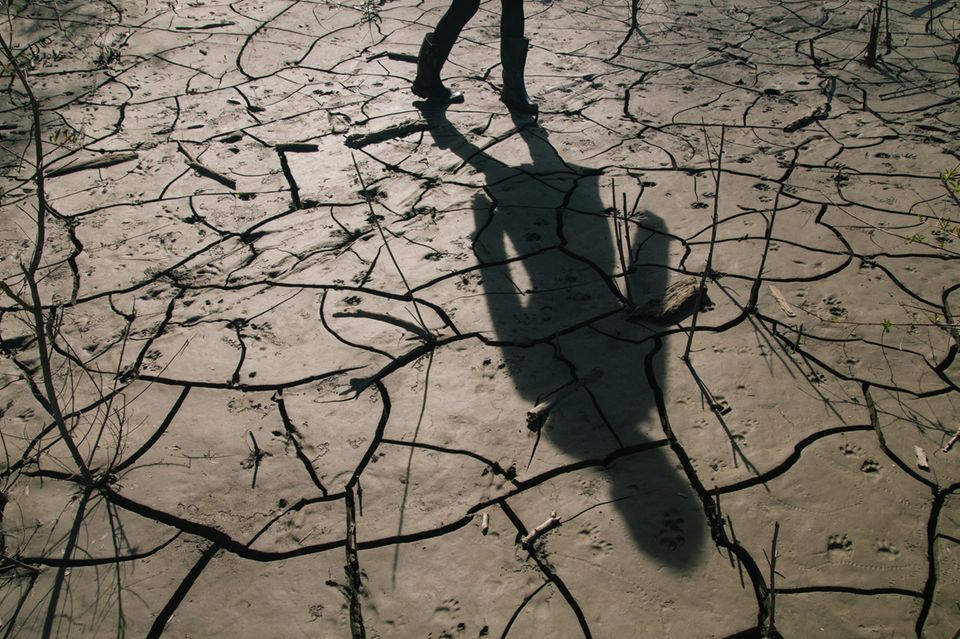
(870,466)
(886,550)
(671,535)
(839,545)
(589,535)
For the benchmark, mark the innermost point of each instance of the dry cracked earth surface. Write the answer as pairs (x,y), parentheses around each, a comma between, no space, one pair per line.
(299,356)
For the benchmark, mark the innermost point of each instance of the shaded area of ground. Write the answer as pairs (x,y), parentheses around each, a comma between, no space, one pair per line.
(331,358)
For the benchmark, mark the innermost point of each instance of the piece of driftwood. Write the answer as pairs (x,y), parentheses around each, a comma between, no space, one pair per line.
(99,162)
(676,298)
(922,462)
(949,444)
(392,55)
(206,171)
(485,524)
(551,522)
(360,140)
(297,147)
(209,25)
(537,414)
(820,113)
(782,301)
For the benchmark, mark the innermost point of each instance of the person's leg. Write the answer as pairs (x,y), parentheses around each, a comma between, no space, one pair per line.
(452,23)
(513,57)
(435,49)
(511,19)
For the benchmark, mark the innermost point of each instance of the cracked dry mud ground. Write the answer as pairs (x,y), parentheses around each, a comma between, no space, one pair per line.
(299,415)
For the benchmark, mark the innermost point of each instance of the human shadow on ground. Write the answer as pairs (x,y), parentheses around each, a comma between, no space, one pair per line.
(558,312)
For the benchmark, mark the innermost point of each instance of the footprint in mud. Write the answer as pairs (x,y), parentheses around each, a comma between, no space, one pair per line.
(886,550)
(671,535)
(445,615)
(590,487)
(850,449)
(870,466)
(315,611)
(589,535)
(716,464)
(839,546)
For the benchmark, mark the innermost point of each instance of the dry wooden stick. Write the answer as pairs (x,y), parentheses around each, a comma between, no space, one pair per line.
(617,234)
(625,235)
(17,562)
(51,402)
(360,140)
(949,444)
(662,308)
(713,240)
(206,171)
(297,147)
(537,414)
(99,162)
(922,462)
(782,301)
(551,522)
(383,237)
(352,570)
(771,593)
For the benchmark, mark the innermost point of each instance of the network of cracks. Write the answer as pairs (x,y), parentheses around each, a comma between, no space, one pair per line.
(288,352)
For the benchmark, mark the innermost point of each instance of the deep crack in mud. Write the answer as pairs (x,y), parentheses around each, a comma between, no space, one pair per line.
(299,357)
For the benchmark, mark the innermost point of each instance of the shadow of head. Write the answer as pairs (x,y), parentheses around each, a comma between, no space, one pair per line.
(561,267)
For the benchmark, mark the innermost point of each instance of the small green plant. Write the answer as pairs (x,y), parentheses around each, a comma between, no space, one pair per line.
(64,136)
(951,179)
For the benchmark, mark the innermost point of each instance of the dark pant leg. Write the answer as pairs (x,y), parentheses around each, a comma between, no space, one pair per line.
(453,21)
(511,19)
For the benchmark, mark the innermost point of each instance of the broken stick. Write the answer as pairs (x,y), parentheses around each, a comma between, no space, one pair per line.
(949,444)
(782,301)
(537,414)
(206,171)
(551,522)
(98,162)
(664,308)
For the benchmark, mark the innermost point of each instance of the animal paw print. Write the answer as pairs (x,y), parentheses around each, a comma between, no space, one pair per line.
(886,550)
(717,464)
(446,615)
(849,449)
(870,466)
(839,545)
(590,536)
(589,488)
(671,534)
(448,606)
(316,611)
